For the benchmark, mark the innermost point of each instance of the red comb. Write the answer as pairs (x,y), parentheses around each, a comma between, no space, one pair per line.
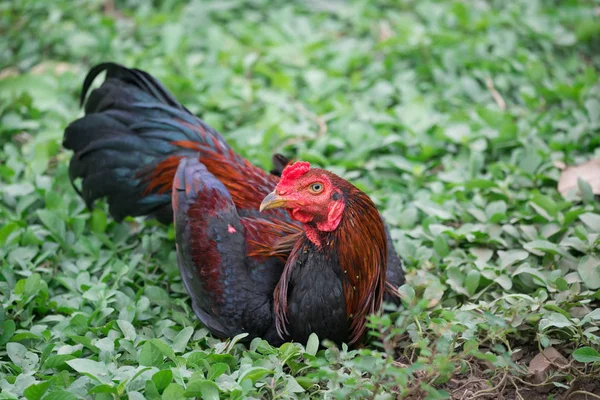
(294,171)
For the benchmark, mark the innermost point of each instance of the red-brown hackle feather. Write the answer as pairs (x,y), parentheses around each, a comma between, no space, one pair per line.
(271,238)
(160,178)
(247,184)
(361,245)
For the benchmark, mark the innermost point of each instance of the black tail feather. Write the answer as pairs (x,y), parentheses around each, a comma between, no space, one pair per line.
(144,81)
(131,122)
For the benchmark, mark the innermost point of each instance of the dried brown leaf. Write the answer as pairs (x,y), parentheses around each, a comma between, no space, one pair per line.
(542,364)
(56,67)
(588,171)
(8,72)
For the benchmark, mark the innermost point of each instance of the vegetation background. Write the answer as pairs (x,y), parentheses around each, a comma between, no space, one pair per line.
(452,115)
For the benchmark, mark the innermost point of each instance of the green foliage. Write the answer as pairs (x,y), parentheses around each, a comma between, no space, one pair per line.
(449,114)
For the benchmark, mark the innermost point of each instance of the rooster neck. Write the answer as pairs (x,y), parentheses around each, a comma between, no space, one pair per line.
(314,235)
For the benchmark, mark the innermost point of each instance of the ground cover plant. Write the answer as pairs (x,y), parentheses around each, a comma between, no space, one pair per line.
(456,117)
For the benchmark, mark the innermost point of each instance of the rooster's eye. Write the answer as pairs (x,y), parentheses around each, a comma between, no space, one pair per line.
(316,188)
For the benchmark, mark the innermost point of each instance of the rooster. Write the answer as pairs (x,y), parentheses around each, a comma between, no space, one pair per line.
(276,255)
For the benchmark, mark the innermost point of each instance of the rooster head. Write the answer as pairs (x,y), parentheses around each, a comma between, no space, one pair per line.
(312,196)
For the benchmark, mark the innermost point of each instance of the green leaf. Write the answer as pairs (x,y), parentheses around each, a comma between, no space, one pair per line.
(536,274)
(441,246)
(35,392)
(86,341)
(589,270)
(153,353)
(312,346)
(216,370)
(181,340)
(18,189)
(8,331)
(496,211)
(127,329)
(545,206)
(458,133)
(472,281)
(172,34)
(592,316)
(21,357)
(173,392)
(207,390)
(483,255)
(162,379)
(433,209)
(592,107)
(58,360)
(592,220)
(408,218)
(164,348)
(98,221)
(32,285)
(554,320)
(91,367)
(586,355)
(235,340)
(53,222)
(561,284)
(103,388)
(46,352)
(456,280)
(508,258)
(151,392)
(587,193)
(6,231)
(292,385)
(150,355)
(504,281)
(540,247)
(254,374)
(60,395)
(157,295)
(304,381)
(552,307)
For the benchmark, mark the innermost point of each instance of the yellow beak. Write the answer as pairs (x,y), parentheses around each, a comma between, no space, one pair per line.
(273,200)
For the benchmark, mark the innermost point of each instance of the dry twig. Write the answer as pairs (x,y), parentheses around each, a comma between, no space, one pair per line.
(497,96)
(310,115)
(584,393)
(492,390)
(320,121)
